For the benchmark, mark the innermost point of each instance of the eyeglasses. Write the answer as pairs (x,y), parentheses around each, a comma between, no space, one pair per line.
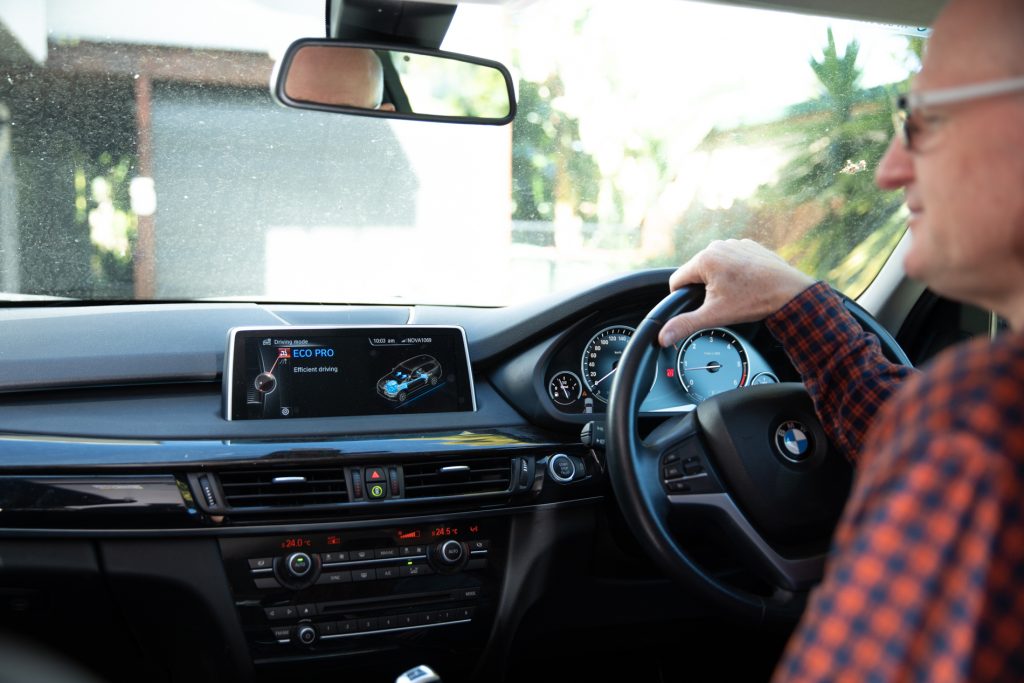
(909,128)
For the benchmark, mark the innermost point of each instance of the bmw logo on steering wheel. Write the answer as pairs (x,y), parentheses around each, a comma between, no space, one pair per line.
(793,441)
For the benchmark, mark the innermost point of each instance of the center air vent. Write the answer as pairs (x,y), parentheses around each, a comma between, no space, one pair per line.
(457,476)
(284,488)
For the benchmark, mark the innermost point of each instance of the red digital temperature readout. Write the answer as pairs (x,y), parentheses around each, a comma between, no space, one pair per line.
(444,532)
(454,532)
(296,542)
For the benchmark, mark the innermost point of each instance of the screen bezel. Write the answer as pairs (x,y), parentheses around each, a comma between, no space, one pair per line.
(238,335)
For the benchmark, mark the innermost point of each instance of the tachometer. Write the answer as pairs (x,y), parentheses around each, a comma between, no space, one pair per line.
(710,362)
(601,359)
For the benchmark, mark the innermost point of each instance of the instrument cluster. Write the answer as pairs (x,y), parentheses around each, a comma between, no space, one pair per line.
(580,374)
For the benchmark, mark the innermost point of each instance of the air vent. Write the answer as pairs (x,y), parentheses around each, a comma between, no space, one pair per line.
(284,488)
(457,476)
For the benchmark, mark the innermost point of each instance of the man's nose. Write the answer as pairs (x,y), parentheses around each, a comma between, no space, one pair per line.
(896,169)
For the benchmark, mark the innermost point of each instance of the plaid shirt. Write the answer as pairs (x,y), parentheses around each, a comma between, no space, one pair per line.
(925,580)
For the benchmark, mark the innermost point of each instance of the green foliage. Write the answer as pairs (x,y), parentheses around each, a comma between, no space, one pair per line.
(824,213)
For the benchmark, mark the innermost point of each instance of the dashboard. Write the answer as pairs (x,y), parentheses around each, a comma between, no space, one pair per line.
(151,476)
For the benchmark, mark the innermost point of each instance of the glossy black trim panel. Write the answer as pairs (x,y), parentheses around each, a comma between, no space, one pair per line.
(26,453)
(307,527)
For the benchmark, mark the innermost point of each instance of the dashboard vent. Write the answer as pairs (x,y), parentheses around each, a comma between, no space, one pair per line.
(457,476)
(284,488)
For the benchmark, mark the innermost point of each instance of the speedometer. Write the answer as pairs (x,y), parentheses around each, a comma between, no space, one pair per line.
(710,362)
(601,359)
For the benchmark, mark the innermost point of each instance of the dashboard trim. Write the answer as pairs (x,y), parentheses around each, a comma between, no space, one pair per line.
(292,526)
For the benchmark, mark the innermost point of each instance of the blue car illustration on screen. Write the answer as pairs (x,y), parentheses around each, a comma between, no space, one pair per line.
(409,377)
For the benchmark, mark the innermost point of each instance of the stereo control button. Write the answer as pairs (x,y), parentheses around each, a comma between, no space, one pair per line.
(306,611)
(363,575)
(306,634)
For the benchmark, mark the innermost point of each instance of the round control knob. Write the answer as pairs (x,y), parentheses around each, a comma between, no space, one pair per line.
(451,552)
(306,634)
(298,565)
(562,468)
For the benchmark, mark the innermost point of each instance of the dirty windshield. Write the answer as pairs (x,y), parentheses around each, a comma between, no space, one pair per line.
(142,158)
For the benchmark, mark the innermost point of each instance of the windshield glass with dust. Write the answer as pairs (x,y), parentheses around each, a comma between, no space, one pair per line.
(141,155)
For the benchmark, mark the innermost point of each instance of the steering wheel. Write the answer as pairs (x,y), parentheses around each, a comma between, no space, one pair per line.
(756,459)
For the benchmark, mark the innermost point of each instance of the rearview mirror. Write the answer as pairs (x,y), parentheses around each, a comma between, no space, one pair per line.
(372,79)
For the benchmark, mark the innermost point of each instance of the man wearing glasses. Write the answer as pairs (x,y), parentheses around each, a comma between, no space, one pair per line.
(926,576)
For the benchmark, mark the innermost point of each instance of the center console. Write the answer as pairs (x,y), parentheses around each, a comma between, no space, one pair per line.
(369,589)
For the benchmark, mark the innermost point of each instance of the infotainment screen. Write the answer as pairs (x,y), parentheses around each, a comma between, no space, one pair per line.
(290,372)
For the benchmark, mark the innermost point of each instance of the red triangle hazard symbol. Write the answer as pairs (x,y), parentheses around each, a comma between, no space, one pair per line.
(375,475)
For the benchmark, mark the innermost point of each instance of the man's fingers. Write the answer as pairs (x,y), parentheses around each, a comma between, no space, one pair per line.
(681,327)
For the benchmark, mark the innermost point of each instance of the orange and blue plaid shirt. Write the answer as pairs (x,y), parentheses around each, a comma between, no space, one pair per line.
(925,580)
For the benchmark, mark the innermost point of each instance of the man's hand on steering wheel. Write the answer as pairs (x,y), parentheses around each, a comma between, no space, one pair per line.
(744,282)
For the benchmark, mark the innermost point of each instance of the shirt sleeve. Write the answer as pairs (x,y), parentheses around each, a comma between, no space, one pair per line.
(920,583)
(841,365)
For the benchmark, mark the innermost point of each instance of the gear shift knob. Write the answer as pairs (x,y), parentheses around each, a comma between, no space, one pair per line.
(420,674)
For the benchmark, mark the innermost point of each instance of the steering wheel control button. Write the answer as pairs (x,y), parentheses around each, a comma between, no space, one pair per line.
(793,441)
(672,471)
(684,470)
(562,468)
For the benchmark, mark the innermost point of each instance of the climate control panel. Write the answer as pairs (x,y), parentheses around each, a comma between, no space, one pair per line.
(326,592)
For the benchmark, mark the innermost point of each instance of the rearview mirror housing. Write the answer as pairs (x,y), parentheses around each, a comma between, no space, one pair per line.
(392,81)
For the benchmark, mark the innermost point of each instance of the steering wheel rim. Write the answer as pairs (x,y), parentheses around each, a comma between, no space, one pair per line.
(636,469)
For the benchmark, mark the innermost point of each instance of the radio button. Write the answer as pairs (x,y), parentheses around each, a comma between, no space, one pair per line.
(282,612)
(370,624)
(306,611)
(284,634)
(328,628)
(306,634)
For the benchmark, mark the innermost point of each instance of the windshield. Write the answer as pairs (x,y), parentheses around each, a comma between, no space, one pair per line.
(142,158)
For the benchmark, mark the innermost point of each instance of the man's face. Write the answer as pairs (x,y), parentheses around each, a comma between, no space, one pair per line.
(964,180)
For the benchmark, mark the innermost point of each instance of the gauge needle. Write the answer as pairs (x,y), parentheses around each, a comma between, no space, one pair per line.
(565,388)
(606,376)
(713,366)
